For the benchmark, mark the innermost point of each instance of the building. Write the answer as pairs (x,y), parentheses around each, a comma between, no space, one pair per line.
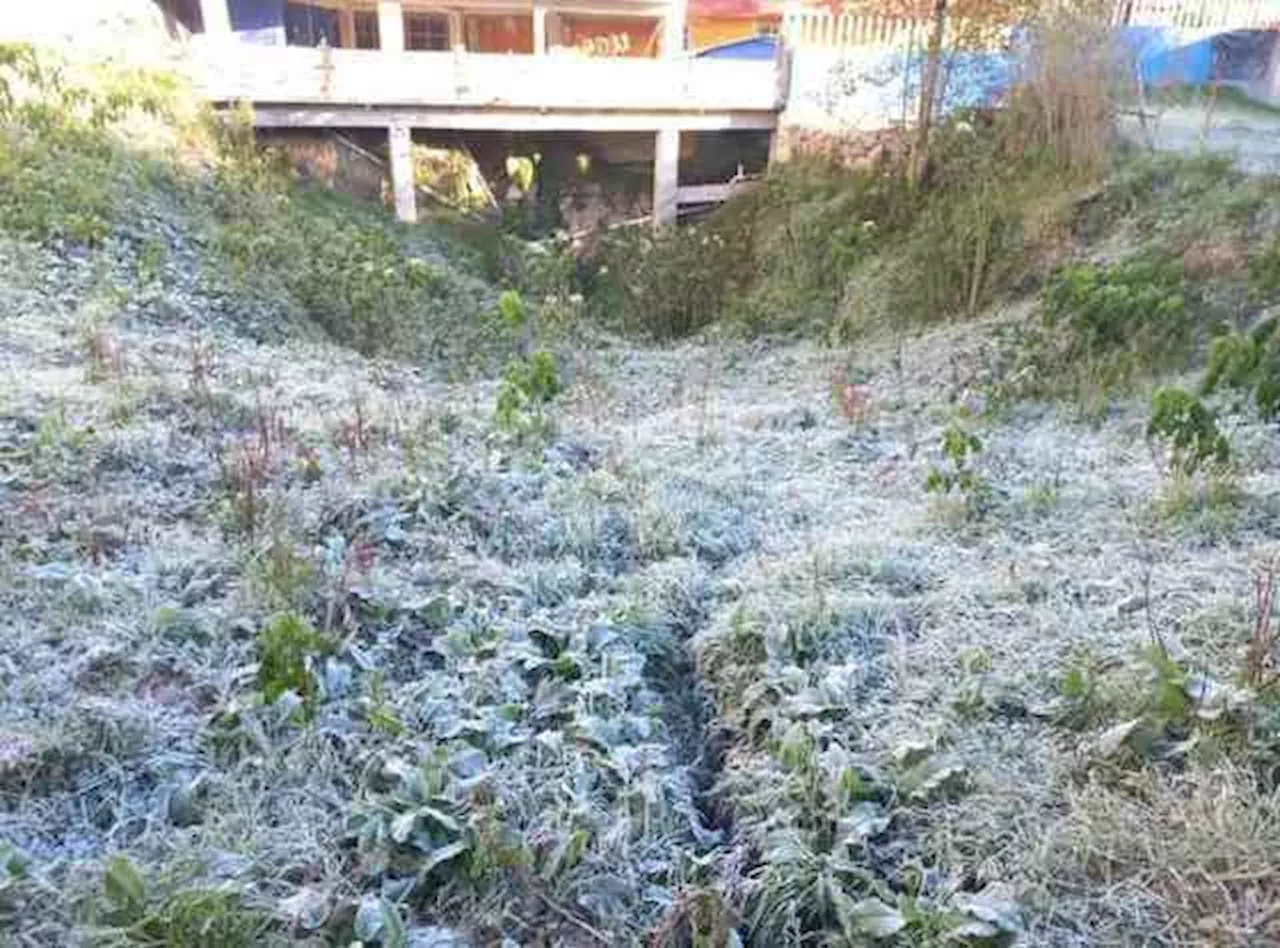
(617,70)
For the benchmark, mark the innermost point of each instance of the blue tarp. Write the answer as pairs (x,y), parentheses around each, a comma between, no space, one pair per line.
(976,79)
(755,48)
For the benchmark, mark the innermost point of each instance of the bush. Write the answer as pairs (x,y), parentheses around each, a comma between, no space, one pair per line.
(1249,365)
(665,286)
(62,174)
(1100,327)
(528,386)
(288,648)
(960,448)
(1189,428)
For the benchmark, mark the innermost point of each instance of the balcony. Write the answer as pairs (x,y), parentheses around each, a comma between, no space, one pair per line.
(302,86)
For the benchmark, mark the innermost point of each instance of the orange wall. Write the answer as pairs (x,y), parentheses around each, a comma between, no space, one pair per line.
(610,36)
(712,31)
(499,32)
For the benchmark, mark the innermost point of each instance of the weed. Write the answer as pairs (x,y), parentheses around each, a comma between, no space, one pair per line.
(288,648)
(355,434)
(1085,703)
(1101,327)
(1260,656)
(141,914)
(528,386)
(960,448)
(852,397)
(1190,430)
(106,358)
(1248,365)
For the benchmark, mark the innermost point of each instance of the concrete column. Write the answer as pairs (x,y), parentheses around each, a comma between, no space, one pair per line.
(457,32)
(390,26)
(216,17)
(347,28)
(539,29)
(555,32)
(402,185)
(673,28)
(666,177)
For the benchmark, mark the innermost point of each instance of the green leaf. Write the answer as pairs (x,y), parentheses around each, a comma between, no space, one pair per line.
(442,855)
(440,818)
(875,918)
(995,905)
(124,886)
(402,827)
(865,821)
(1114,739)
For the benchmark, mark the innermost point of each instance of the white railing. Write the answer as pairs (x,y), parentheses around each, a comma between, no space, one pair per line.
(810,27)
(1210,15)
(820,27)
(300,76)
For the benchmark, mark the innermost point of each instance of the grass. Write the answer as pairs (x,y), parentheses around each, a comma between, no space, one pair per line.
(308,646)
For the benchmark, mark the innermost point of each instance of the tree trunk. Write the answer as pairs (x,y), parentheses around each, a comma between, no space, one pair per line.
(928,93)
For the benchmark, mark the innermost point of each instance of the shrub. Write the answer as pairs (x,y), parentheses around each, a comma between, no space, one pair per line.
(528,386)
(1189,428)
(1099,328)
(664,286)
(63,174)
(1248,365)
(960,447)
(287,650)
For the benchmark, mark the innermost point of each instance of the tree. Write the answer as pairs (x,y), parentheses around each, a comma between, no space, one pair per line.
(952,25)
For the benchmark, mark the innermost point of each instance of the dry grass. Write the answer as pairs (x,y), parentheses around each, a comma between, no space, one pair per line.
(1185,859)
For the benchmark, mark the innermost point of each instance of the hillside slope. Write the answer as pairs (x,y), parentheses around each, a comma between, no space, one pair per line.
(321,630)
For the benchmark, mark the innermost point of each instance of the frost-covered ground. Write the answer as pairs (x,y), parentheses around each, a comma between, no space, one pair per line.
(711,650)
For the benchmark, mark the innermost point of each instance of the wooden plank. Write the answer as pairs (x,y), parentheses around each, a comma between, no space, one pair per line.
(712,193)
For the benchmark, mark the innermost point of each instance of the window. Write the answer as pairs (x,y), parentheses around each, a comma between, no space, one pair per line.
(426,31)
(367,29)
(307,25)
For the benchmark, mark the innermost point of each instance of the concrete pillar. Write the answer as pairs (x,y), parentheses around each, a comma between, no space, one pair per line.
(539,29)
(216,17)
(402,185)
(555,31)
(457,32)
(347,28)
(666,177)
(673,28)
(390,26)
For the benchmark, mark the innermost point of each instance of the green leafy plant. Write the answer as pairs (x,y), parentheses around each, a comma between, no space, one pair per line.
(1249,366)
(1189,429)
(1099,328)
(529,385)
(288,648)
(960,448)
(512,309)
(140,913)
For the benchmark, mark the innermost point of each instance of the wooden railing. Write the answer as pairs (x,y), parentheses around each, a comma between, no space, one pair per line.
(228,72)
